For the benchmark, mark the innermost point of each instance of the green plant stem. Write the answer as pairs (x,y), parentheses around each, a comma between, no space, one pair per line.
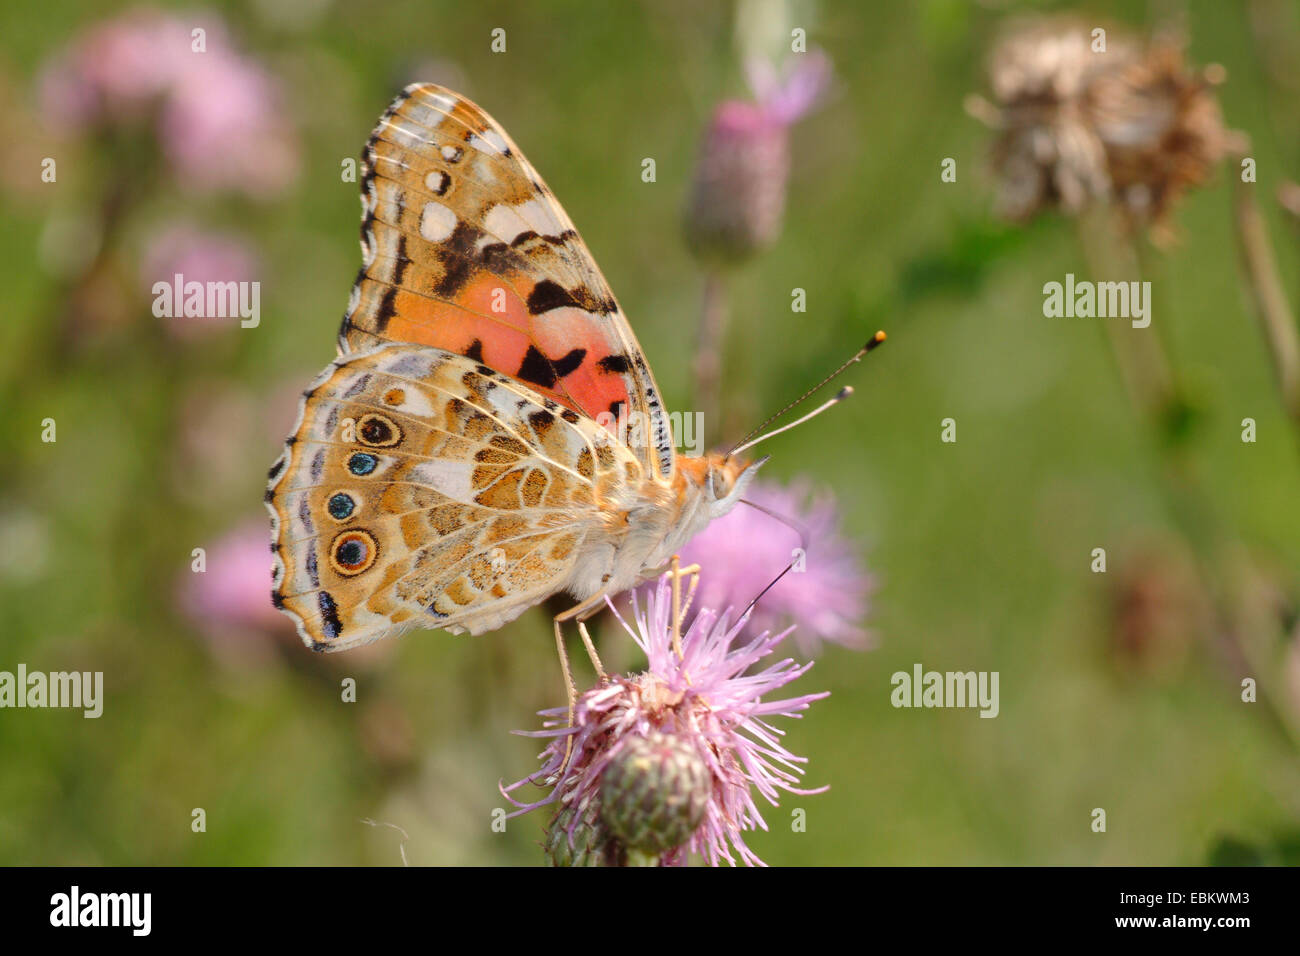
(1154,392)
(1276,319)
(1139,354)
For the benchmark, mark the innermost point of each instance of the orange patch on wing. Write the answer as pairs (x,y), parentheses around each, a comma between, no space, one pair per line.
(491,321)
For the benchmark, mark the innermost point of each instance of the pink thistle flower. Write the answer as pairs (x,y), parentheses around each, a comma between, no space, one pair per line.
(217,114)
(114,71)
(825,596)
(198,255)
(223,126)
(705,708)
(227,600)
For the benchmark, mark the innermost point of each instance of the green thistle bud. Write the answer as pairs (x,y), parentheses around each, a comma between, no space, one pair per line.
(592,844)
(654,794)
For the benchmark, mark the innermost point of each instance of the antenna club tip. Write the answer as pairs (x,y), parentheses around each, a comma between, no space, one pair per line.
(875,340)
(845,392)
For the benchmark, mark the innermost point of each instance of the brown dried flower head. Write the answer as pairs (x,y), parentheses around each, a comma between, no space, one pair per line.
(1083,117)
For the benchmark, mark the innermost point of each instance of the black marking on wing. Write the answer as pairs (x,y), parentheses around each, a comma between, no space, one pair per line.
(459,257)
(547,295)
(387,308)
(536,369)
(399,268)
(569,363)
(329,611)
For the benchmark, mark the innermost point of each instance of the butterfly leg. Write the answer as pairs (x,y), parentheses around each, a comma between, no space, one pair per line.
(678,572)
(591,651)
(581,612)
(569,686)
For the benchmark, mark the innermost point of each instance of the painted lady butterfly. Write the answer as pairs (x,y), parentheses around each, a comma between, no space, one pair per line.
(460,461)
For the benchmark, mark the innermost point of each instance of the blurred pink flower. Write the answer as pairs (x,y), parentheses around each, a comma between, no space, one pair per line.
(219,115)
(230,599)
(738,194)
(786,97)
(199,256)
(113,71)
(741,553)
(224,126)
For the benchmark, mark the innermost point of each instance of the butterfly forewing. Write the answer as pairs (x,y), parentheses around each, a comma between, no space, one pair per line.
(465,249)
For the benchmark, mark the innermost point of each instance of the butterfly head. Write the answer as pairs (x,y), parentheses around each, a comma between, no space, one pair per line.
(721,478)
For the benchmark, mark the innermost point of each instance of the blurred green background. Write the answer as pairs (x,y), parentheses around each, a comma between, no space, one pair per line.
(1110,696)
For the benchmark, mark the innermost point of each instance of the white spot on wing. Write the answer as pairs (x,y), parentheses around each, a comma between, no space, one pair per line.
(386,243)
(436,222)
(436,181)
(489,141)
(539,214)
(404,134)
(389,197)
(452,478)
(503,222)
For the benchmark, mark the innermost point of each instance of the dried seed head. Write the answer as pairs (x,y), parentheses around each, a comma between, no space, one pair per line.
(1129,123)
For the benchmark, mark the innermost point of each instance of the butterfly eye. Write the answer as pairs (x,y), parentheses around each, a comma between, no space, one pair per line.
(353,552)
(362,464)
(719,484)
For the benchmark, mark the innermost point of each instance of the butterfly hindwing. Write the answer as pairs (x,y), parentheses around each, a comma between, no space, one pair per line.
(465,249)
(423,489)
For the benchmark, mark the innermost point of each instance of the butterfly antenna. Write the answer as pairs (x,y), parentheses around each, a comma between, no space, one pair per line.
(749,441)
(799,528)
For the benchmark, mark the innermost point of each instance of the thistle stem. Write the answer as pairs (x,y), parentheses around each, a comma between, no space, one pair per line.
(1244,631)
(1138,353)
(1265,284)
(1153,390)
